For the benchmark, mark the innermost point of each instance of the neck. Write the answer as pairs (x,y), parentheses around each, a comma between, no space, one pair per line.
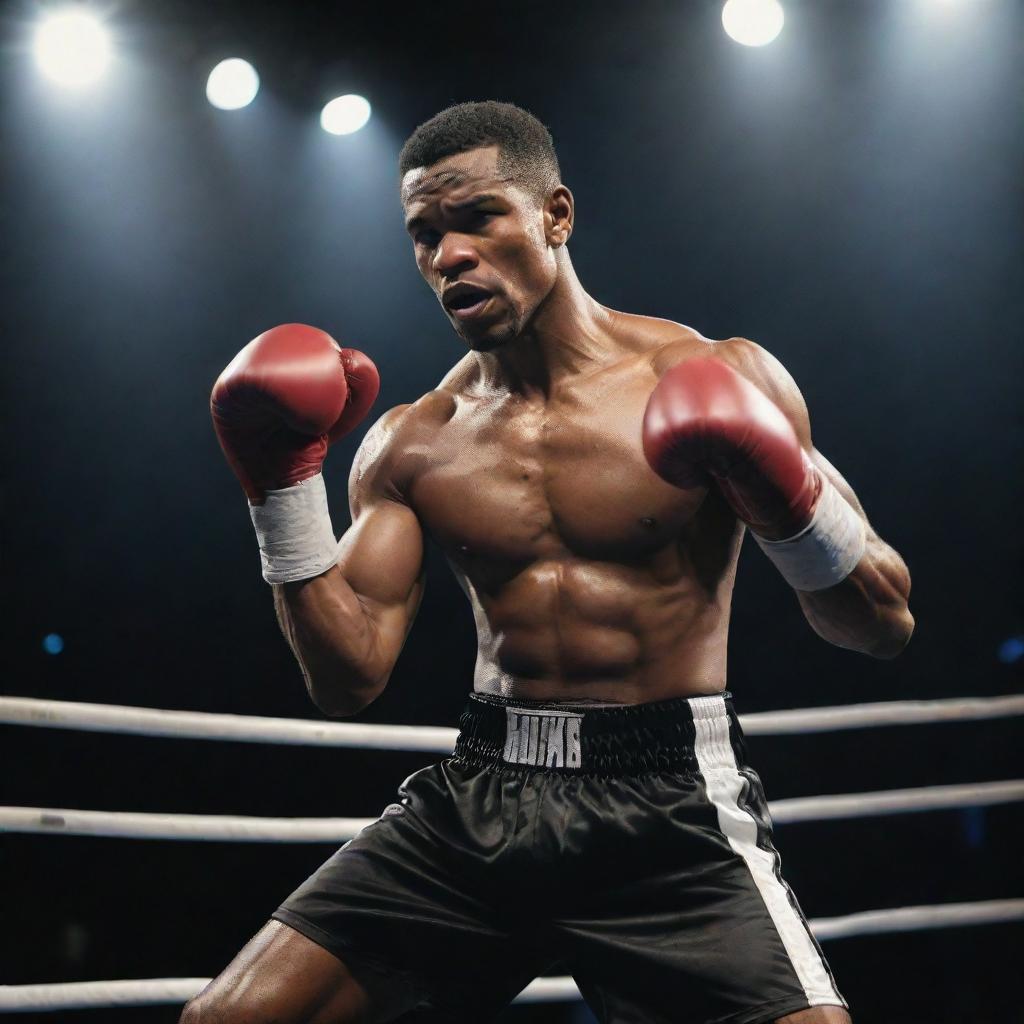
(567,334)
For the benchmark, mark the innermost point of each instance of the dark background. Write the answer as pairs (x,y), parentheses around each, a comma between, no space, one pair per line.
(848,196)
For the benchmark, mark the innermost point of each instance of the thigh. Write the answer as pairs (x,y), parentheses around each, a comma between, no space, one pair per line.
(817,1015)
(284,977)
(698,919)
(416,898)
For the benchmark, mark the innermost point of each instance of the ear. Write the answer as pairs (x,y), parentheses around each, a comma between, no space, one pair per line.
(559,211)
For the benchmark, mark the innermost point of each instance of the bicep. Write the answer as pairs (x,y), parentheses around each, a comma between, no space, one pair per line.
(381,554)
(381,560)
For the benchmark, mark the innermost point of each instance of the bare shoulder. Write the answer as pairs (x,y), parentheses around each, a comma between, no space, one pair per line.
(462,376)
(751,360)
(648,336)
(757,364)
(666,343)
(663,344)
(383,464)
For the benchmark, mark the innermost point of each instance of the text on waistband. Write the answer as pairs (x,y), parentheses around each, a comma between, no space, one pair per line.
(545,739)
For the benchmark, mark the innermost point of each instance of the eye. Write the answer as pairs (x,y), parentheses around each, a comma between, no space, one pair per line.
(427,236)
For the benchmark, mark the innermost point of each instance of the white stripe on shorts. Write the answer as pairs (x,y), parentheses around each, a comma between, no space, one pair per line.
(724,784)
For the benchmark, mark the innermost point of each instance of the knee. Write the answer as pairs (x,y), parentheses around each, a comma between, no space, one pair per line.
(198,1010)
(192,1013)
(253,1004)
(212,1008)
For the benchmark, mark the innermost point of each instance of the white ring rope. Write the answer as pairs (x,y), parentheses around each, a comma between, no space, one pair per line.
(235,828)
(894,712)
(216,827)
(896,801)
(158,991)
(255,729)
(202,725)
(915,919)
(84,995)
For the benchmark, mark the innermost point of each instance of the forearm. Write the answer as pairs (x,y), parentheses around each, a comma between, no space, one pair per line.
(334,640)
(867,611)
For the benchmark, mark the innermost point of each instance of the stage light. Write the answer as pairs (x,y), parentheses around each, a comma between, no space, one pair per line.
(345,115)
(72,47)
(753,22)
(232,84)
(53,643)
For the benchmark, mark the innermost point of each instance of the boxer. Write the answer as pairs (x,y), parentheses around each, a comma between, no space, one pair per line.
(590,475)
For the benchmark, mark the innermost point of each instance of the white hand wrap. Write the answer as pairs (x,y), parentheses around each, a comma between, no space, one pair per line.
(826,550)
(294,529)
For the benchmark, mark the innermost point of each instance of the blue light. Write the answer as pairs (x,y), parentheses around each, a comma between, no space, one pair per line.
(974,826)
(53,643)
(1011,650)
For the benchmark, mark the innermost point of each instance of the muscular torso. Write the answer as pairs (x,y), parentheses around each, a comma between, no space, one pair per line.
(590,578)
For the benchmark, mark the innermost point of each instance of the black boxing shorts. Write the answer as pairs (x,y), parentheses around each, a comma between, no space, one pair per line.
(629,846)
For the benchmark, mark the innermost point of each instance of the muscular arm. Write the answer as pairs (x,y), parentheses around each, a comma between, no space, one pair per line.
(347,626)
(868,610)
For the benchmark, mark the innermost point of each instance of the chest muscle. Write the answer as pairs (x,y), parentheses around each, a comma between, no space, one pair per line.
(519,482)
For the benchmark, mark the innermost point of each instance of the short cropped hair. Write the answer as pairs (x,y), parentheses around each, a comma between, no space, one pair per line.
(527,151)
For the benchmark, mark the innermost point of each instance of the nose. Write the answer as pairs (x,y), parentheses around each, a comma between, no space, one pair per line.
(454,254)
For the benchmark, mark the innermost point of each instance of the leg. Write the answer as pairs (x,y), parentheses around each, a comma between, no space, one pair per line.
(416,909)
(817,1015)
(283,977)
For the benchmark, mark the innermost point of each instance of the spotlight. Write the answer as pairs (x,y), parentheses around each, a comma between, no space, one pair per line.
(72,47)
(345,115)
(753,22)
(53,643)
(232,84)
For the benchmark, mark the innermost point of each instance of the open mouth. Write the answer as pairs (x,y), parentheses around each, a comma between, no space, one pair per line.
(465,301)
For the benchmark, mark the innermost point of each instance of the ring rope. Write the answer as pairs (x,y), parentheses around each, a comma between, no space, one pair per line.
(159,991)
(202,725)
(894,712)
(437,739)
(215,827)
(913,919)
(237,828)
(896,801)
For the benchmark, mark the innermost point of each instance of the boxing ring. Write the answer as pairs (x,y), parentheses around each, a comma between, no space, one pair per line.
(250,729)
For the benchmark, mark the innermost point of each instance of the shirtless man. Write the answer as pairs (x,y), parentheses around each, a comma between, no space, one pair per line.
(590,475)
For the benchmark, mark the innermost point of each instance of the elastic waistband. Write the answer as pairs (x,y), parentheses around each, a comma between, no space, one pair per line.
(607,740)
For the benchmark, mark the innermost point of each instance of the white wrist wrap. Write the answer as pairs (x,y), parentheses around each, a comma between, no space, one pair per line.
(294,529)
(825,551)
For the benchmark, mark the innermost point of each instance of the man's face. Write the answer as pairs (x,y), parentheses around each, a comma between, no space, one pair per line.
(480,243)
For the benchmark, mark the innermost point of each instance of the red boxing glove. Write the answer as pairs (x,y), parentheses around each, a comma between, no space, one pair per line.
(706,421)
(279,404)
